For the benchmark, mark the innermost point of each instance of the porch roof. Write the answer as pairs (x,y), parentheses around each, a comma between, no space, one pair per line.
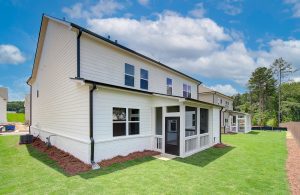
(142,91)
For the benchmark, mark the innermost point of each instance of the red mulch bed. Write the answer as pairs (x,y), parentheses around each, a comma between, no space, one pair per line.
(131,156)
(220,145)
(70,164)
(293,165)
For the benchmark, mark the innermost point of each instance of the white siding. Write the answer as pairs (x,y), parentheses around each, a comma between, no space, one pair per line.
(62,107)
(27,107)
(215,113)
(3,108)
(104,63)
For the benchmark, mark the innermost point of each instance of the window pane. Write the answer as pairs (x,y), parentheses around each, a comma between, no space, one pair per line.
(184,87)
(144,74)
(134,114)
(173,109)
(119,114)
(203,120)
(129,69)
(169,82)
(129,80)
(134,128)
(144,84)
(185,94)
(158,121)
(119,129)
(190,121)
(189,91)
(169,90)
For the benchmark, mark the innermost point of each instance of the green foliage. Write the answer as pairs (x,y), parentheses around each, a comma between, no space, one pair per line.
(255,164)
(16,106)
(272,122)
(16,117)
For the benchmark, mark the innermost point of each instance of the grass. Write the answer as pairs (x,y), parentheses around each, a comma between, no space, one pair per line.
(254,164)
(16,117)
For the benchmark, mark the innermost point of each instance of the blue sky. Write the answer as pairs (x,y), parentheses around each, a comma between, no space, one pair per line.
(217,42)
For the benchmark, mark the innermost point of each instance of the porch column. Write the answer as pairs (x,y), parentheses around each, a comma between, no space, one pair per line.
(182,130)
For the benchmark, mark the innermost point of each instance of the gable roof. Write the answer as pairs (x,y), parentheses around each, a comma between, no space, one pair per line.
(41,38)
(206,90)
(4,93)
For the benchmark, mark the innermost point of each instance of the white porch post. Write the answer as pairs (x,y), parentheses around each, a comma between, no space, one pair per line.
(164,110)
(182,130)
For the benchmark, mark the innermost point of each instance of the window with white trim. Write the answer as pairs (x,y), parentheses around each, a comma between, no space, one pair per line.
(169,86)
(129,75)
(122,124)
(133,121)
(144,79)
(119,122)
(187,91)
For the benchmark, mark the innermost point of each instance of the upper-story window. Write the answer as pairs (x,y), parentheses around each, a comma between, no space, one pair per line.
(169,86)
(144,79)
(187,91)
(129,75)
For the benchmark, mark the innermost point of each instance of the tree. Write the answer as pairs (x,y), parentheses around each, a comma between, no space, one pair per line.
(262,85)
(282,70)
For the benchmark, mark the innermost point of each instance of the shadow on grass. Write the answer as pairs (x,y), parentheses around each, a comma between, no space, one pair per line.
(114,167)
(205,157)
(43,157)
(253,132)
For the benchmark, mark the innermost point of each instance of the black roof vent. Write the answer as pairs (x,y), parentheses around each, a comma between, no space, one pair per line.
(116,41)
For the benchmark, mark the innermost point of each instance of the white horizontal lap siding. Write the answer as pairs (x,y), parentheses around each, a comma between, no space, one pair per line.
(103,63)
(3,105)
(62,106)
(108,146)
(216,124)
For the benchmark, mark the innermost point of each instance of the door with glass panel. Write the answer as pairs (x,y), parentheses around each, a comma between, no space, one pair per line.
(172,128)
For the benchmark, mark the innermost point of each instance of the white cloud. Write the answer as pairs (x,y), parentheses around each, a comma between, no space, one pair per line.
(225,89)
(100,9)
(144,2)
(10,54)
(199,11)
(231,7)
(170,36)
(295,7)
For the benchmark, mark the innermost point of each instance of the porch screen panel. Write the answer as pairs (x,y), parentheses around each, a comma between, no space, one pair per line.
(203,120)
(190,121)
(158,121)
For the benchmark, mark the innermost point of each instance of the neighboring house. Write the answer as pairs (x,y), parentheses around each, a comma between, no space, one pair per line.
(100,99)
(3,104)
(27,108)
(231,120)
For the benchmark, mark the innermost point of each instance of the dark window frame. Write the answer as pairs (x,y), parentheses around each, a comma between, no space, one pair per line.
(144,80)
(127,75)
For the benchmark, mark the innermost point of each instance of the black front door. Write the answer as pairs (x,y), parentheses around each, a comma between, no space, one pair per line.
(172,135)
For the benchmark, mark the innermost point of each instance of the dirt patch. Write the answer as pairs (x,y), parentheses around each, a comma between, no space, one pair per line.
(70,164)
(220,145)
(293,164)
(131,156)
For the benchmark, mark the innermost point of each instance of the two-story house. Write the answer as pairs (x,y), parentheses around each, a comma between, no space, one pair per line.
(96,99)
(3,104)
(231,121)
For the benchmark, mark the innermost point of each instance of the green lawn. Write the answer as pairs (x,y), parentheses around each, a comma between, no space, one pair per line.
(254,164)
(16,117)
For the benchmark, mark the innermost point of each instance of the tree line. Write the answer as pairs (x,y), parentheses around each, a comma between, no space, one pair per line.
(271,98)
(16,106)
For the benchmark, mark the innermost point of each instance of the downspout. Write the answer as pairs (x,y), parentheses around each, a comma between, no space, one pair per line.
(78,52)
(94,165)
(220,125)
(30,112)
